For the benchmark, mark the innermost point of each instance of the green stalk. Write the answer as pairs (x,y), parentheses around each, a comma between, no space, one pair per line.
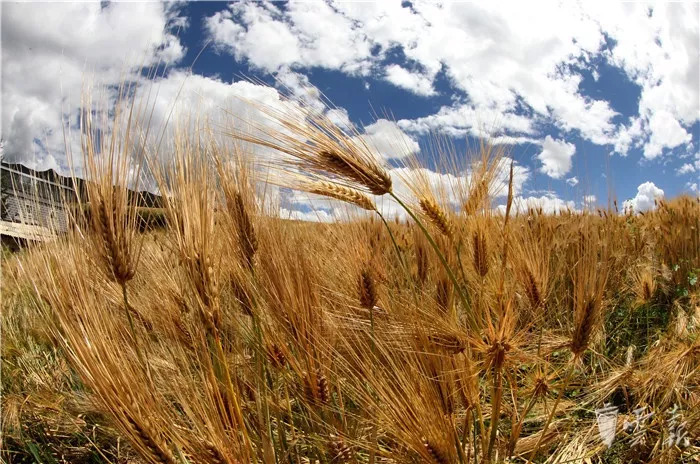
(443,261)
(497,393)
(482,428)
(517,428)
(458,443)
(476,442)
(398,253)
(281,432)
(295,441)
(393,241)
(465,432)
(403,266)
(458,250)
(262,378)
(551,414)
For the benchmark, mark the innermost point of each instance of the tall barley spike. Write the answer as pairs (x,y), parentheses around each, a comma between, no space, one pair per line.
(340,451)
(422,260)
(150,440)
(437,216)
(339,192)
(356,169)
(113,230)
(366,290)
(532,290)
(481,264)
(244,226)
(437,456)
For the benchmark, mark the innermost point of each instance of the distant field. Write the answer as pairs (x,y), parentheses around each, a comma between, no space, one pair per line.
(213,331)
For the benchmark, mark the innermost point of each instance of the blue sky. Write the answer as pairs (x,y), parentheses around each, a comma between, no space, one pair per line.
(592,99)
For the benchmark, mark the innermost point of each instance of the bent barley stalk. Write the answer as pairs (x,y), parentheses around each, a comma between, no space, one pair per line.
(473,323)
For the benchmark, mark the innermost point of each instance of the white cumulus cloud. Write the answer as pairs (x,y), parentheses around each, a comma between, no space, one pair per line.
(519,61)
(686,168)
(50,50)
(556,157)
(549,203)
(388,141)
(657,47)
(666,132)
(416,83)
(313,215)
(304,35)
(647,193)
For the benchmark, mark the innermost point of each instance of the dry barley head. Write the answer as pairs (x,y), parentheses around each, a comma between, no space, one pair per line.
(366,289)
(342,193)
(435,452)
(590,277)
(339,450)
(480,253)
(437,216)
(357,170)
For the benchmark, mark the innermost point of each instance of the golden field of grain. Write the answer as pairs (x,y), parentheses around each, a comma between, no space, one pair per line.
(448,335)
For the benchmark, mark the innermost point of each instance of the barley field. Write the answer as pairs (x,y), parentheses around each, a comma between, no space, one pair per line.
(227,334)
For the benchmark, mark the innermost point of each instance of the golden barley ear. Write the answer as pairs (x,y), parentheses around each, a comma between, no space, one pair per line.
(339,192)
(540,384)
(357,170)
(590,279)
(316,388)
(211,453)
(239,196)
(244,227)
(444,294)
(477,195)
(436,455)
(112,172)
(339,450)
(437,216)
(449,342)
(366,289)
(532,290)
(480,258)
(422,258)
(276,356)
(323,389)
(339,166)
(584,327)
(150,440)
(313,145)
